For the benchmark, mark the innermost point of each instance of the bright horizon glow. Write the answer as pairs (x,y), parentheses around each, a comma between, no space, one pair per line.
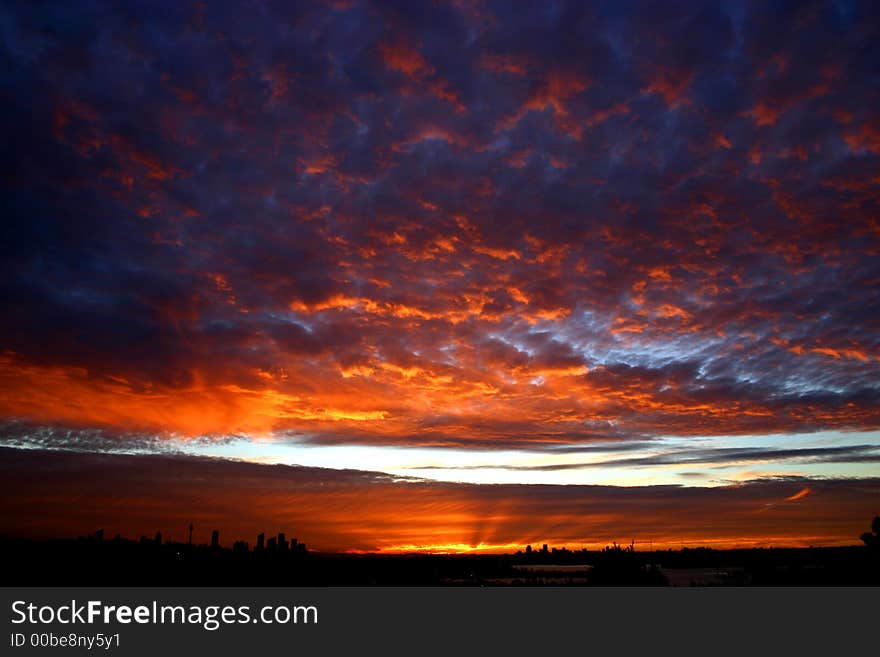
(488,466)
(703,461)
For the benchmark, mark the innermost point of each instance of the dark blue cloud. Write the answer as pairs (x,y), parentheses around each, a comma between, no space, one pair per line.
(680,198)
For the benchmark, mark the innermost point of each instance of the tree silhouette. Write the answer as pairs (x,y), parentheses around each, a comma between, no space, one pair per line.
(872,538)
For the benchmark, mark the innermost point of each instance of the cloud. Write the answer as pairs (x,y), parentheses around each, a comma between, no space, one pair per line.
(441,226)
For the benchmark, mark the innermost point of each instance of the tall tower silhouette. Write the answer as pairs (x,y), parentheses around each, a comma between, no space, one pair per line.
(190,542)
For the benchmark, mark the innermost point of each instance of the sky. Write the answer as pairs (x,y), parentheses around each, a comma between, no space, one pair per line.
(442,275)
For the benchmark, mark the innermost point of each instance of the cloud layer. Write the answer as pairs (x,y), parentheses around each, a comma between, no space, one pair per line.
(448,224)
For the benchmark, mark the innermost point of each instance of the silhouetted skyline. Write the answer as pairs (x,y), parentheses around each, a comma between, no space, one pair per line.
(97,560)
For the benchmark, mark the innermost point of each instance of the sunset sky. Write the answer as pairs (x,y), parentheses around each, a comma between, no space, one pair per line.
(441,275)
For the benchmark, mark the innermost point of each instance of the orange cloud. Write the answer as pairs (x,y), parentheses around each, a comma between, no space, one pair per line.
(799,495)
(558,88)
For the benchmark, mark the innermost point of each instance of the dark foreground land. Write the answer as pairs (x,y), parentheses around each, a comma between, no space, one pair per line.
(122,562)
